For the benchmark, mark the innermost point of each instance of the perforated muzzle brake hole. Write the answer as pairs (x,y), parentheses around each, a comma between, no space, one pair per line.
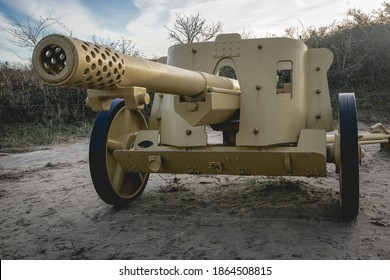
(53,59)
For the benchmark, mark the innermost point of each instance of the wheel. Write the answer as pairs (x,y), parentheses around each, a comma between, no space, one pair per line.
(349,157)
(113,130)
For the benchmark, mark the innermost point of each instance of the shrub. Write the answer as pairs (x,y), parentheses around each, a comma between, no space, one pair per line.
(360,44)
(24,99)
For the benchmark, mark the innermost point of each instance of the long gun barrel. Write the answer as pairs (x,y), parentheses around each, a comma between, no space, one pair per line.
(64,61)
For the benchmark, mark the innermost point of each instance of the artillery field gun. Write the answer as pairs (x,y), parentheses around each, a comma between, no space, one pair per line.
(274,117)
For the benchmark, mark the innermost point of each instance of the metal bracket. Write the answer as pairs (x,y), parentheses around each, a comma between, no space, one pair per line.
(100,100)
(287,163)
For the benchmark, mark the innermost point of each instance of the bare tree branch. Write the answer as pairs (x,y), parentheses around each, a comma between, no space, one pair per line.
(27,33)
(247,34)
(192,28)
(123,45)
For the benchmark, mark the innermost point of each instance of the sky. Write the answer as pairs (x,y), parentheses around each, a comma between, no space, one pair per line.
(142,21)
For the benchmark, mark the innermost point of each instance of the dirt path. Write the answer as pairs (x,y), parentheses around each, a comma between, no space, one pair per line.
(49,210)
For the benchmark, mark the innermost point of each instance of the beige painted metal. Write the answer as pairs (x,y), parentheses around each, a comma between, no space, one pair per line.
(174,130)
(365,139)
(64,61)
(135,98)
(379,134)
(280,99)
(266,117)
(319,112)
(308,158)
(121,135)
(216,108)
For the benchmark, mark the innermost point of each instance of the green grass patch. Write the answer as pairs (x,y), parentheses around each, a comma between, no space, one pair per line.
(32,136)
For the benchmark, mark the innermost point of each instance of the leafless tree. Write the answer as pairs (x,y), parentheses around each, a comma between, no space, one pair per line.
(123,45)
(247,34)
(26,33)
(192,28)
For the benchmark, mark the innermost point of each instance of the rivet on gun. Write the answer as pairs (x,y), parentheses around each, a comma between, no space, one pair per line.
(258,87)
(194,50)
(188,132)
(158,118)
(318,91)
(259,46)
(318,68)
(256,131)
(318,116)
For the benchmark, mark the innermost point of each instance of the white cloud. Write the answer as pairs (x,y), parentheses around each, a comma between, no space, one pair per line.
(274,16)
(262,18)
(70,13)
(73,13)
(146,28)
(8,56)
(8,51)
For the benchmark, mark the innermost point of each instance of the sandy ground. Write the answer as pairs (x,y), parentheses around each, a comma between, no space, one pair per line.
(49,210)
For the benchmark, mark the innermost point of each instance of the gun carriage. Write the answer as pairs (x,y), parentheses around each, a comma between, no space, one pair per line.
(274,117)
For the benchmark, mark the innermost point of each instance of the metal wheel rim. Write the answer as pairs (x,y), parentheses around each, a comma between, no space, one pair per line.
(113,130)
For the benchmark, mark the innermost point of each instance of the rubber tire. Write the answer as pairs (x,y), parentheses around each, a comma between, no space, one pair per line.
(98,157)
(349,157)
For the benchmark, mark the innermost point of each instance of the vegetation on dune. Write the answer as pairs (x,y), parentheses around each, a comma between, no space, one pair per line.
(25,99)
(360,44)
